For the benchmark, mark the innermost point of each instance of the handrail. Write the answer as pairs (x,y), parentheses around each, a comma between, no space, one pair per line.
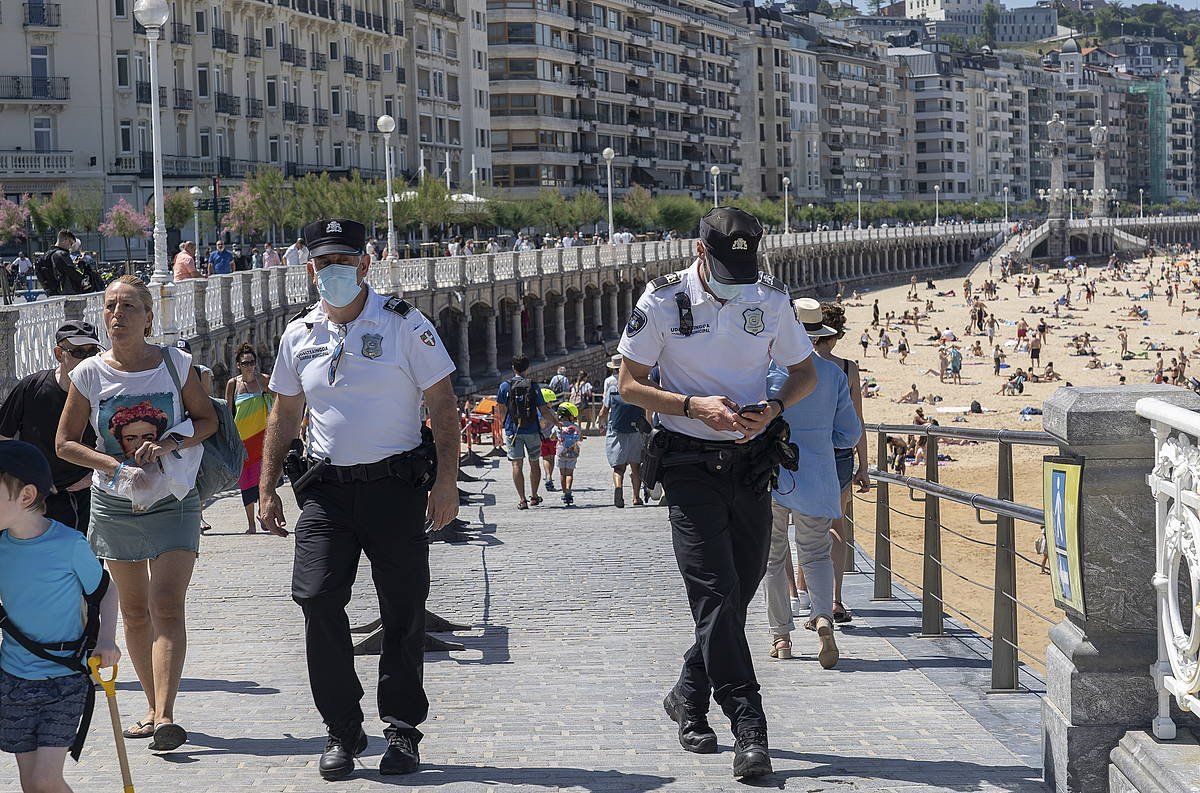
(1015,437)
(976,501)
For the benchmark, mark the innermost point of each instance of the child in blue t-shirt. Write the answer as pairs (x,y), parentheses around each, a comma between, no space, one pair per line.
(46,569)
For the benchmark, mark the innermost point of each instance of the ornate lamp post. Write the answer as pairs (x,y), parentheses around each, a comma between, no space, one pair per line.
(1005,191)
(715,171)
(387,125)
(1071,203)
(153,15)
(812,216)
(858,192)
(937,205)
(195,193)
(608,155)
(1141,195)
(786,226)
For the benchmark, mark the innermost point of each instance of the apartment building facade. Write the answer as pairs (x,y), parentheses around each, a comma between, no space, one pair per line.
(655,81)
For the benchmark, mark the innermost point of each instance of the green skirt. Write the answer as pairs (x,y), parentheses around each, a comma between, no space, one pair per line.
(118,534)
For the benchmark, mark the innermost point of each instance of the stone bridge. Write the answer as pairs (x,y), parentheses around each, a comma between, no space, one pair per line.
(1101,236)
(559,306)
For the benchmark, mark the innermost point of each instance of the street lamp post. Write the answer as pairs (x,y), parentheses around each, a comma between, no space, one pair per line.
(387,125)
(786,225)
(1071,203)
(608,155)
(1005,191)
(858,191)
(153,15)
(1141,193)
(937,205)
(195,193)
(1085,193)
(812,216)
(715,171)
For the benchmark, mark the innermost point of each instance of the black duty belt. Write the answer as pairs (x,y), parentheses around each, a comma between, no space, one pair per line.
(396,465)
(677,442)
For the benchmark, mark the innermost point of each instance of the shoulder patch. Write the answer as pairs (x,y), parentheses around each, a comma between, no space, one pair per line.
(772,282)
(398,306)
(670,279)
(637,321)
(304,311)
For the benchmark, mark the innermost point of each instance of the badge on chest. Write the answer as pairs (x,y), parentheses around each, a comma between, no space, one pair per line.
(752,321)
(372,345)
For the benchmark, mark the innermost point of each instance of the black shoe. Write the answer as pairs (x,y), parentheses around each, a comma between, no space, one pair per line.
(549,485)
(401,756)
(694,733)
(337,762)
(750,755)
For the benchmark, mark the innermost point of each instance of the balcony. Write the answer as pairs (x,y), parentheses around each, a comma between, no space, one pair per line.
(181,33)
(320,117)
(360,17)
(352,66)
(320,62)
(374,72)
(42,15)
(301,114)
(224,40)
(143,93)
(16,161)
(356,120)
(253,47)
(142,164)
(290,53)
(347,13)
(183,99)
(228,104)
(238,169)
(37,89)
(254,108)
(289,111)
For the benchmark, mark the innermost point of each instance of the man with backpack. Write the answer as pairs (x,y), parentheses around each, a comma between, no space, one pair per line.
(56,270)
(520,401)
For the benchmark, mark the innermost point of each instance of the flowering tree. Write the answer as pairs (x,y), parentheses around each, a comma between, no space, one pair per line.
(125,222)
(13,217)
(242,219)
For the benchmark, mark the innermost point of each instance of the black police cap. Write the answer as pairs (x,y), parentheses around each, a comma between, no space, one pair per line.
(731,239)
(335,235)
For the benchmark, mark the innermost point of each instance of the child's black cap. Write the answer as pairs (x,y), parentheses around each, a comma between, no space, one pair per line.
(23,461)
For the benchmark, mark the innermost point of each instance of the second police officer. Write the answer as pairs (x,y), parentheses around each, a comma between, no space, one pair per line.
(712,331)
(357,365)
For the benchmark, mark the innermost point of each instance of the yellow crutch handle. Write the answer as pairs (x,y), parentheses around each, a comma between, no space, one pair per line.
(109,685)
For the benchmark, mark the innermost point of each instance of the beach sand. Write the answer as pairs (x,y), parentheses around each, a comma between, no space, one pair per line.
(974,467)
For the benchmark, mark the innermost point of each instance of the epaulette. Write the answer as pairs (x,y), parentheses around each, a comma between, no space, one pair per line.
(398,306)
(771,282)
(304,311)
(670,279)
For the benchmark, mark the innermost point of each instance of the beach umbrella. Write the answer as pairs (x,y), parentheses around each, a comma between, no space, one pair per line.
(1069,259)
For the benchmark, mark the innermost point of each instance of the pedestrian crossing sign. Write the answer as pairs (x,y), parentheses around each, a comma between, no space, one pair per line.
(1061,480)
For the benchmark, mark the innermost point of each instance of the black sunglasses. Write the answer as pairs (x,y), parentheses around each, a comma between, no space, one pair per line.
(248,362)
(81,353)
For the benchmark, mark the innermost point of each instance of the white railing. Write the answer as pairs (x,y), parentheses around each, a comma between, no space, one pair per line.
(296,285)
(34,340)
(236,290)
(1173,482)
(93,312)
(212,303)
(185,308)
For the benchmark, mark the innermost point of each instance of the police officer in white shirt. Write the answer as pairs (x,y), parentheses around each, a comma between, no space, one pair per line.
(712,330)
(296,253)
(358,364)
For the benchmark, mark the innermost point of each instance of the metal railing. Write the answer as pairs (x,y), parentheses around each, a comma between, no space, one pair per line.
(1003,635)
(1174,482)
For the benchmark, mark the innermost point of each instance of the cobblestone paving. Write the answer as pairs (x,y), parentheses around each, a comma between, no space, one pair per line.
(579,620)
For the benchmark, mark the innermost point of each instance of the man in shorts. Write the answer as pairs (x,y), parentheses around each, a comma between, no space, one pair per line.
(520,403)
(46,569)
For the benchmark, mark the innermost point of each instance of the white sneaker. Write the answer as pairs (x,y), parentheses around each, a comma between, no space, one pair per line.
(801,605)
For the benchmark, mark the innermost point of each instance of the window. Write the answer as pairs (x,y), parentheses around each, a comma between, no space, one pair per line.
(119,9)
(205,143)
(201,22)
(39,62)
(43,134)
(337,155)
(143,131)
(273,148)
(387,106)
(335,101)
(272,93)
(202,80)
(122,68)
(269,37)
(333,50)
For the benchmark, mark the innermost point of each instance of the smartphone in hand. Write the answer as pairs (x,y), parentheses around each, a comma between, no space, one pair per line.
(745,409)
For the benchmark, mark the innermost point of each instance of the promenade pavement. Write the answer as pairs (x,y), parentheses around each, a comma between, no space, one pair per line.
(578,622)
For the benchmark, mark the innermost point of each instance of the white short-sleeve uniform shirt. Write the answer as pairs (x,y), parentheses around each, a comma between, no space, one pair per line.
(372,410)
(730,347)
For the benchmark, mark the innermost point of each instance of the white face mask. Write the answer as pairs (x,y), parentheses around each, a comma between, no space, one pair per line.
(725,292)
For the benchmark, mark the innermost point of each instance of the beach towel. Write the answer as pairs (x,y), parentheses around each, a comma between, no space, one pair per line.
(250,416)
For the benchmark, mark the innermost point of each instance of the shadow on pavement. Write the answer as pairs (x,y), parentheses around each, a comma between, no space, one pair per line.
(281,746)
(488,777)
(195,684)
(953,775)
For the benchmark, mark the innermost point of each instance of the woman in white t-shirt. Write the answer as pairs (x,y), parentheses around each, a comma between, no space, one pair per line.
(145,519)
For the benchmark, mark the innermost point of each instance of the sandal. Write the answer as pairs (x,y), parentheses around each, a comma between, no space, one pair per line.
(140,729)
(781,648)
(168,737)
(841,614)
(535,501)
(522,504)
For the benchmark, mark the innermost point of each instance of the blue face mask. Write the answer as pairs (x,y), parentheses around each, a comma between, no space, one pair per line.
(338,284)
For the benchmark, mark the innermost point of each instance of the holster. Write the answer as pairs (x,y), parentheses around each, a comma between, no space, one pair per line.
(652,456)
(296,465)
(772,449)
(425,457)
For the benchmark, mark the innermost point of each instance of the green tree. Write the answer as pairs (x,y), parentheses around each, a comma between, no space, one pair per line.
(358,199)
(177,209)
(550,210)
(313,197)
(679,213)
(587,208)
(88,201)
(640,207)
(37,217)
(432,205)
(509,214)
(57,210)
(271,200)
(991,18)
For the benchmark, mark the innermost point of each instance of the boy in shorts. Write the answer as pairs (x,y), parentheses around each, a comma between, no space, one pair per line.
(46,568)
(568,450)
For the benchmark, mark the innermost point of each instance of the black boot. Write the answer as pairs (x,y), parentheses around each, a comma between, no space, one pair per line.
(337,761)
(401,756)
(750,755)
(694,733)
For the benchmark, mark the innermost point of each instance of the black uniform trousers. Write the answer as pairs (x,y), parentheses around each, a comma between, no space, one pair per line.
(721,533)
(339,521)
(71,507)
